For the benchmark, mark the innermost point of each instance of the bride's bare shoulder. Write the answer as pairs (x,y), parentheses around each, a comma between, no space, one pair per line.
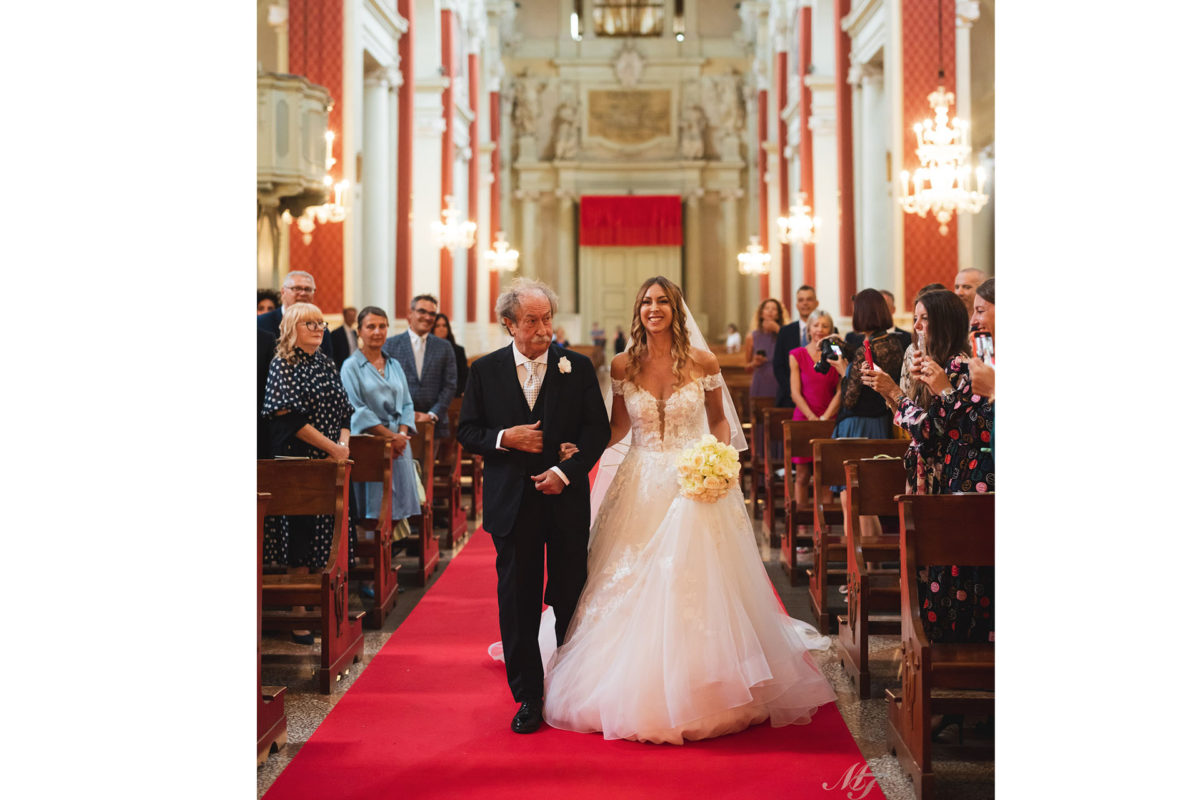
(617,368)
(705,361)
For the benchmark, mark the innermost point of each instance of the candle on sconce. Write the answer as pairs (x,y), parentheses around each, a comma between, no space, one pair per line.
(329,161)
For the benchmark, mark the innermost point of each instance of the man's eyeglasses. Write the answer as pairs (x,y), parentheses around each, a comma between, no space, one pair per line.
(420,312)
(316,326)
(301,289)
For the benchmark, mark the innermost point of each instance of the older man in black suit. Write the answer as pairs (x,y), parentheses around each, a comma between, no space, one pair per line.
(428,363)
(522,402)
(298,287)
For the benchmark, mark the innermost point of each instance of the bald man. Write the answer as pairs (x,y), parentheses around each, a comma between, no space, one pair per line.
(965,284)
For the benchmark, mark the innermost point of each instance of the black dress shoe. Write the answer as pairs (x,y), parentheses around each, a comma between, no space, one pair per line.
(528,718)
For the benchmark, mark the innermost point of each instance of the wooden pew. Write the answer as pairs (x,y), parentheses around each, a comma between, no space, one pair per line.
(797,442)
(773,419)
(937,529)
(830,548)
(423,445)
(372,457)
(871,487)
(447,480)
(757,490)
(272,722)
(317,486)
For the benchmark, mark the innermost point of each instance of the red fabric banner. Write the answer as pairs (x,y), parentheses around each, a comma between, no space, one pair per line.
(630,221)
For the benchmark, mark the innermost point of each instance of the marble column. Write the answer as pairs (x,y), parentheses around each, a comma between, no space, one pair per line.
(376,283)
(874,198)
(529,227)
(822,129)
(693,275)
(567,251)
(733,279)
(966,13)
(427,186)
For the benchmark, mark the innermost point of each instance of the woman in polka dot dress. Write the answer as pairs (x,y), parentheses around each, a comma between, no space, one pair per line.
(951,451)
(310,418)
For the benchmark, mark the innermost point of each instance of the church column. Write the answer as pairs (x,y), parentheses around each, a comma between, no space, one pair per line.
(808,251)
(446,259)
(494,217)
(566,252)
(847,268)
(874,199)
(785,250)
(378,206)
(764,196)
(693,274)
(733,279)
(966,13)
(404,160)
(529,214)
(473,180)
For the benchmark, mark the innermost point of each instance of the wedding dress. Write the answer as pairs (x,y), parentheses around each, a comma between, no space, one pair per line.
(678,633)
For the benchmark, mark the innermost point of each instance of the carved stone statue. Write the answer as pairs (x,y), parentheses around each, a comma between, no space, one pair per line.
(566,141)
(691,133)
(526,107)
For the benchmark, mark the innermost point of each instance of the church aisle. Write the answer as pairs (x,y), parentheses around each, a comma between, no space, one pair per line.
(422,755)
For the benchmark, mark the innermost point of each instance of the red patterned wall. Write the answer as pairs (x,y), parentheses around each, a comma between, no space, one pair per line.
(928,256)
(315,52)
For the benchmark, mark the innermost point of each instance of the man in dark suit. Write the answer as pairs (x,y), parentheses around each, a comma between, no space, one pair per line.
(428,363)
(905,336)
(298,287)
(522,402)
(791,336)
(345,338)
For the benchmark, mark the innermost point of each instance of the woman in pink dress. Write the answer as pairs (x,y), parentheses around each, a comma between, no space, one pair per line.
(816,395)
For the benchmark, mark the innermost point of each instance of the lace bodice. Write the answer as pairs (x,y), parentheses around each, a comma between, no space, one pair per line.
(671,425)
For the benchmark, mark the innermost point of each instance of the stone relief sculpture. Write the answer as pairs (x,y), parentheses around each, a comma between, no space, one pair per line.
(628,66)
(566,140)
(723,104)
(691,133)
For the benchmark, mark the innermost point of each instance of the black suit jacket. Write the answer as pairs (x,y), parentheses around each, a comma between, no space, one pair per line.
(789,340)
(571,410)
(271,320)
(341,346)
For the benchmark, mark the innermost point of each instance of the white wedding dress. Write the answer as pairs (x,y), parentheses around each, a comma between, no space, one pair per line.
(678,633)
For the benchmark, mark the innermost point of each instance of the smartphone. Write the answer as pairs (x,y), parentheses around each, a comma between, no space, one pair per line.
(984,346)
(921,341)
(762,353)
(867,354)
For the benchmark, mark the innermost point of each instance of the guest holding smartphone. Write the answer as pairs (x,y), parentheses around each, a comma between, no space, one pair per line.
(817,394)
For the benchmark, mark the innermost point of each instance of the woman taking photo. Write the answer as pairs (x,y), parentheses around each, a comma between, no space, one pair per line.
(983,376)
(309,418)
(378,392)
(954,433)
(864,413)
(441,329)
(760,347)
(817,395)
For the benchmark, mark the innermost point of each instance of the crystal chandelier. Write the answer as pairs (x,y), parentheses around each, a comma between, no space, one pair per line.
(799,226)
(501,258)
(326,212)
(942,184)
(752,260)
(452,234)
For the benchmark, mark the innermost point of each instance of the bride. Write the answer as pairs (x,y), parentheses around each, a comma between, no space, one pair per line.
(678,633)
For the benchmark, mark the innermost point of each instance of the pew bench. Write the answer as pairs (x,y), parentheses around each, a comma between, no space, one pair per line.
(447,481)
(424,541)
(272,721)
(872,592)
(773,473)
(797,442)
(311,487)
(938,529)
(373,463)
(829,547)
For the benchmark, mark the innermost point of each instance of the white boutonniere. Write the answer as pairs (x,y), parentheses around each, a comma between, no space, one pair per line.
(564,365)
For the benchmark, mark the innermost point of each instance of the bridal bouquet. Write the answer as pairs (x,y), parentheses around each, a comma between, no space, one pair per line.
(707,469)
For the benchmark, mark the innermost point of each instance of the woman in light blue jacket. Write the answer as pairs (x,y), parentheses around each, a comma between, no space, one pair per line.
(378,392)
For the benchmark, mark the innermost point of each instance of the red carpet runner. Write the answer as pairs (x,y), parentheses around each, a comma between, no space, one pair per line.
(429,718)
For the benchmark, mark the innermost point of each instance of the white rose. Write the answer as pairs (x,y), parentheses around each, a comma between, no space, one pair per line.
(564,365)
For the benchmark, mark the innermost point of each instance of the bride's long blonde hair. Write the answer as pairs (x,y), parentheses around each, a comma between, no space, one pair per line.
(681,346)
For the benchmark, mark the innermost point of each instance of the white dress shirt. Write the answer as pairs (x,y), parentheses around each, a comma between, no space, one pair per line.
(520,359)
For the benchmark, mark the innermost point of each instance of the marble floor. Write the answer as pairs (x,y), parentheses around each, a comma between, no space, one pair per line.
(956,779)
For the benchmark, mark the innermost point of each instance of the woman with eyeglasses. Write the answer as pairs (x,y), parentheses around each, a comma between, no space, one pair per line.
(309,415)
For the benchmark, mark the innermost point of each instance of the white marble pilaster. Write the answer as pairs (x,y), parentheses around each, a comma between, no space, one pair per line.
(733,245)
(823,124)
(692,269)
(427,183)
(379,203)
(875,227)
(566,252)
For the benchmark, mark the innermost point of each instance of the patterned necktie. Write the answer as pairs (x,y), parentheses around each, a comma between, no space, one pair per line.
(532,383)
(419,355)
